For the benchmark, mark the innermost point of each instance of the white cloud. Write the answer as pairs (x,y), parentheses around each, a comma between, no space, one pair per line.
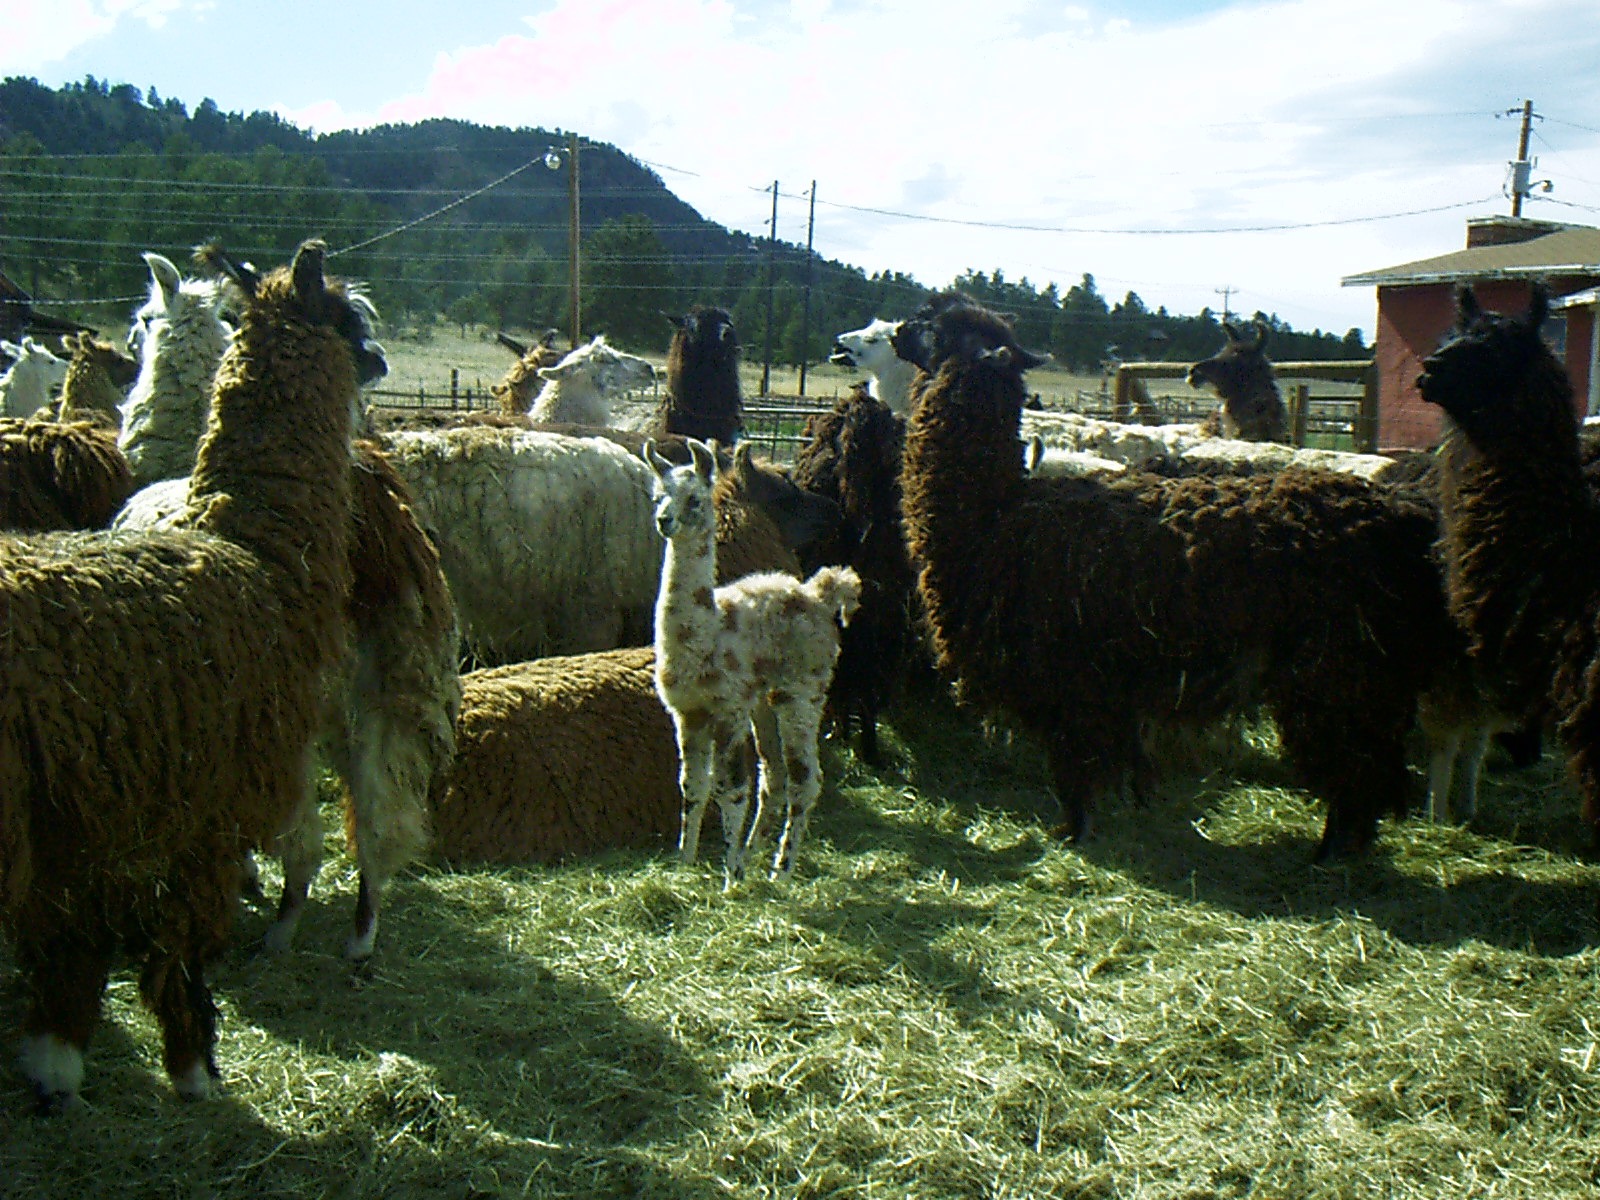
(1259,114)
(37,33)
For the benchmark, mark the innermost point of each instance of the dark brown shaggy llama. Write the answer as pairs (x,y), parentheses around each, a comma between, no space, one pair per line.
(1086,607)
(1252,407)
(59,476)
(161,690)
(559,758)
(852,455)
(704,399)
(1521,526)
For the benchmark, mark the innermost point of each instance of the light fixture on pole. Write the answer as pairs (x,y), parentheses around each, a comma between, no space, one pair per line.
(552,160)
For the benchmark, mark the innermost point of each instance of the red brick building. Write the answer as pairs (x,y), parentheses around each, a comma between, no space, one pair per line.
(1502,259)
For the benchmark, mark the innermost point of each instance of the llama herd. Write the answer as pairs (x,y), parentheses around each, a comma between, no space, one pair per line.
(221,577)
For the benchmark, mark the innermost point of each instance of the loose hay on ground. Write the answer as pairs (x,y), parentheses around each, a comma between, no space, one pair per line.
(942,1003)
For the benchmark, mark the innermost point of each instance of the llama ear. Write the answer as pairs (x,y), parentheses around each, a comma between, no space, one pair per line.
(210,257)
(743,465)
(511,343)
(307,269)
(1467,309)
(678,322)
(705,460)
(1029,359)
(164,274)
(1261,335)
(653,459)
(1538,306)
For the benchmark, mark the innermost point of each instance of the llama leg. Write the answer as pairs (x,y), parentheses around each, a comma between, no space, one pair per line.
(798,725)
(732,789)
(1351,754)
(1081,770)
(1473,754)
(772,782)
(175,990)
(66,979)
(1443,749)
(300,847)
(694,782)
(391,769)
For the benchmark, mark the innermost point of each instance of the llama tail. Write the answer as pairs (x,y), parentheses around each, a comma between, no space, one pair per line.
(838,589)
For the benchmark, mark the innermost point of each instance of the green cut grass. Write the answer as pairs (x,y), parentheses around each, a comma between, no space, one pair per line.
(942,1003)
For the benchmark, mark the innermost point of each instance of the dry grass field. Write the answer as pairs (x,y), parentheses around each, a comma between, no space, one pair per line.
(943,1002)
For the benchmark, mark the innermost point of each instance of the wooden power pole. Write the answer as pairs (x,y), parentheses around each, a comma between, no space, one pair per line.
(772,275)
(805,311)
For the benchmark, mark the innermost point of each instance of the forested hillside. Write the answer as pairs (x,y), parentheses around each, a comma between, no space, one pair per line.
(94,173)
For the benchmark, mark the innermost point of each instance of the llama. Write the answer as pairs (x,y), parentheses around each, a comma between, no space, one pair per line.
(57,475)
(751,657)
(546,534)
(852,455)
(703,399)
(1252,407)
(390,717)
(1520,521)
(579,387)
(180,335)
(139,767)
(33,377)
(516,391)
(1089,608)
(98,377)
(871,349)
(558,758)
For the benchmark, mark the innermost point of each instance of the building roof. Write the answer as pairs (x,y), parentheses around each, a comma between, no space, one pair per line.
(1570,250)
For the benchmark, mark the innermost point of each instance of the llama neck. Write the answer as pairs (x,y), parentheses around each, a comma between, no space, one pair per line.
(686,605)
(962,464)
(1258,415)
(892,385)
(1519,534)
(273,469)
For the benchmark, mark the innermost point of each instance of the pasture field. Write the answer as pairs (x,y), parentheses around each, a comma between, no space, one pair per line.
(425,362)
(942,1003)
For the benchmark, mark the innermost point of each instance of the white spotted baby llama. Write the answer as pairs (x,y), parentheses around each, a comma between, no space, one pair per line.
(753,656)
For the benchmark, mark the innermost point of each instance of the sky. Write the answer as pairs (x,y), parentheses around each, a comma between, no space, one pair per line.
(1245,154)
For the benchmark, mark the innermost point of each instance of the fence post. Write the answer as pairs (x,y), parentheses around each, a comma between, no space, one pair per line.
(1121,399)
(455,382)
(1367,431)
(1299,411)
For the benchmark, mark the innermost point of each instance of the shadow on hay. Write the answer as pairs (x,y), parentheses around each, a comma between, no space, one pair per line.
(488,1047)
(1427,886)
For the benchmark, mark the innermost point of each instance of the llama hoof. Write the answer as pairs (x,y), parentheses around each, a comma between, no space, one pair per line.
(196,1083)
(358,947)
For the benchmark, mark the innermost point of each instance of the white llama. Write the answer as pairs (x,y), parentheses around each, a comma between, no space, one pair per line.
(179,336)
(755,656)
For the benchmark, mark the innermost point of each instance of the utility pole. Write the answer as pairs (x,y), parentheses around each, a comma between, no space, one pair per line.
(572,235)
(772,272)
(805,312)
(1523,167)
(1225,293)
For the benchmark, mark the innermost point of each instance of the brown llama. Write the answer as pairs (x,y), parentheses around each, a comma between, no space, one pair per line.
(57,475)
(140,766)
(514,394)
(1520,526)
(751,657)
(98,378)
(704,398)
(1252,407)
(1087,609)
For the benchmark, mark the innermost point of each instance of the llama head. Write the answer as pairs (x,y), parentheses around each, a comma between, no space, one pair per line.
(706,327)
(1496,378)
(803,518)
(171,300)
(90,352)
(312,298)
(1241,368)
(607,369)
(683,494)
(33,359)
(951,326)
(870,348)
